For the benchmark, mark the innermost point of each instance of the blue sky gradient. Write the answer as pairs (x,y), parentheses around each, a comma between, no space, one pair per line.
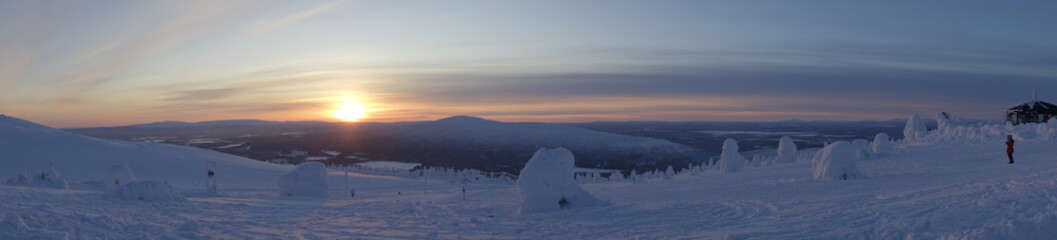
(92,63)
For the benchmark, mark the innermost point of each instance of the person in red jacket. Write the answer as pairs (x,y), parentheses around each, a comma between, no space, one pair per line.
(1009,147)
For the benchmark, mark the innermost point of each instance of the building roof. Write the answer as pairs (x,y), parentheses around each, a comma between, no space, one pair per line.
(1035,106)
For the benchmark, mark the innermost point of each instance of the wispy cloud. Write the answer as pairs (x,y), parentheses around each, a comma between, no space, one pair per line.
(264,25)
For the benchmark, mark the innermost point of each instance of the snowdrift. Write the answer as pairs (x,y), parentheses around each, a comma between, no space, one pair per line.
(546,183)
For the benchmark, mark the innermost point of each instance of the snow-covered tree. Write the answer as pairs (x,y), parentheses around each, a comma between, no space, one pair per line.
(786,150)
(730,160)
(836,162)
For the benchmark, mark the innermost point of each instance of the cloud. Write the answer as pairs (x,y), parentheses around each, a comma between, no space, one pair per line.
(264,25)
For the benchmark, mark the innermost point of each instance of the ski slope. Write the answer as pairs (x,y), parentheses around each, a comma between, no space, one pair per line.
(940,187)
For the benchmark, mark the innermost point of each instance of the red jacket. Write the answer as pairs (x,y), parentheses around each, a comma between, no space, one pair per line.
(1009,146)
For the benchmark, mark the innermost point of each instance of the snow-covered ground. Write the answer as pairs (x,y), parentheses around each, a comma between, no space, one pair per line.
(937,188)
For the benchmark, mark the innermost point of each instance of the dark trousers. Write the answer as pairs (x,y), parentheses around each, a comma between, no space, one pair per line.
(1010,156)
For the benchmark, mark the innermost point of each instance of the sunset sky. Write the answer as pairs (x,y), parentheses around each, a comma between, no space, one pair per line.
(108,63)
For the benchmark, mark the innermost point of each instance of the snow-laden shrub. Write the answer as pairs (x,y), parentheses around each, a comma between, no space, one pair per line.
(836,162)
(915,129)
(144,191)
(881,143)
(669,173)
(546,183)
(307,180)
(117,175)
(49,178)
(730,160)
(786,150)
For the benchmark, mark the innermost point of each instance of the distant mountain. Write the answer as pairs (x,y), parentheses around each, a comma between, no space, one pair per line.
(459,142)
(220,123)
(476,141)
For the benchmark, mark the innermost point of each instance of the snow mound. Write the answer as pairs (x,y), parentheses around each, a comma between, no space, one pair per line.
(836,161)
(307,180)
(786,150)
(144,191)
(881,143)
(50,178)
(547,184)
(915,129)
(117,175)
(730,160)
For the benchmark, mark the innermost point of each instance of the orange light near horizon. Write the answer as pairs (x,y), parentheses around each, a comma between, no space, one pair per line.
(350,112)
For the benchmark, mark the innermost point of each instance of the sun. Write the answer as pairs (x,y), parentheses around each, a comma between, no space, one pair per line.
(350,112)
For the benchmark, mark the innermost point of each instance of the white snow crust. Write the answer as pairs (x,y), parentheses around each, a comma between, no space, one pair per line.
(144,190)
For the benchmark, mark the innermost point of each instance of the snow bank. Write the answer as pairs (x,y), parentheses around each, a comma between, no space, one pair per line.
(117,175)
(730,160)
(144,191)
(50,178)
(836,161)
(786,150)
(307,180)
(546,183)
(915,129)
(881,143)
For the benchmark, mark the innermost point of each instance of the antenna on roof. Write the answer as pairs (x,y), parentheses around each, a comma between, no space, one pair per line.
(1034,95)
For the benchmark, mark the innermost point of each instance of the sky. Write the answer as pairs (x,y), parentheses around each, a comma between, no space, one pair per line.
(111,63)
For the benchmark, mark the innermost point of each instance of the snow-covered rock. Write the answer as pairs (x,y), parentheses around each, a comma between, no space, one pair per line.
(915,129)
(144,191)
(836,162)
(307,180)
(117,175)
(881,143)
(546,183)
(730,160)
(786,150)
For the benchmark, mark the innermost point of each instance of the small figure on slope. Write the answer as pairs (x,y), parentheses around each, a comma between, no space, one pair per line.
(1009,147)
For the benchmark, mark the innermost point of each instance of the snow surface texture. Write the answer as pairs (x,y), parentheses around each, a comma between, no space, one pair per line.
(144,191)
(546,183)
(117,175)
(940,188)
(730,160)
(881,143)
(837,161)
(786,150)
(915,129)
(307,180)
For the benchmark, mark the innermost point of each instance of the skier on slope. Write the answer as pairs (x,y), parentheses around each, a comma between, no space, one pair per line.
(1009,147)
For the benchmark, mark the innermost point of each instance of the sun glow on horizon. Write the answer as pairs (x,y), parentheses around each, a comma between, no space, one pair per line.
(350,112)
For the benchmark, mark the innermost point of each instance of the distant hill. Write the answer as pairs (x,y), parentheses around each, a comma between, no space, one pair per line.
(458,142)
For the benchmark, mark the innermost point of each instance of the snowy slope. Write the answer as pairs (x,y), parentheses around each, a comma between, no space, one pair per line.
(953,184)
(30,147)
